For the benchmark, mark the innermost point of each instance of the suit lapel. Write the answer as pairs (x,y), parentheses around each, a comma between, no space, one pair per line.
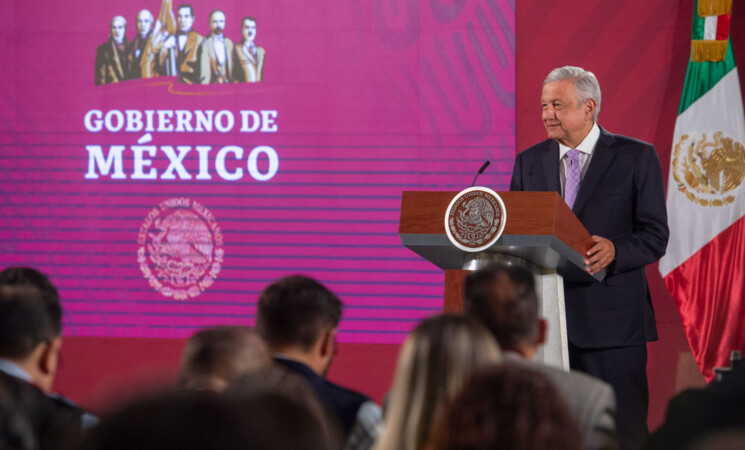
(602,158)
(228,56)
(119,76)
(551,167)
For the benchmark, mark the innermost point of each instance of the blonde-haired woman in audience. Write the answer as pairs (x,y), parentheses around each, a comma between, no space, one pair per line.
(436,359)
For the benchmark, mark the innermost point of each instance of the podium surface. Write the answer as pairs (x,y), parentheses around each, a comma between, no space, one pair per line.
(540,231)
(540,228)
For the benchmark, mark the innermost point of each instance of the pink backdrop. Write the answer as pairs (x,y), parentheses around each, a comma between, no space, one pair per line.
(370,100)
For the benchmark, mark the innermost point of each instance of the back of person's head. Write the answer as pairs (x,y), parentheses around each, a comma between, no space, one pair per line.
(277,380)
(504,299)
(214,357)
(30,312)
(507,407)
(435,360)
(274,379)
(194,420)
(296,311)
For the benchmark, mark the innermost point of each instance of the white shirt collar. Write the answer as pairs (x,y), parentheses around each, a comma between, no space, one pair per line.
(586,146)
(14,370)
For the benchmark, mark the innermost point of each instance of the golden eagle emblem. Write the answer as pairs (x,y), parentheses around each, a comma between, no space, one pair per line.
(707,170)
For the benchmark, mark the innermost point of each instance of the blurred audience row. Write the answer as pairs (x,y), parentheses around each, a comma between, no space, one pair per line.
(461,382)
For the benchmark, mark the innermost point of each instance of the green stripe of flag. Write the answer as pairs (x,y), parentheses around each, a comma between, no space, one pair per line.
(702,76)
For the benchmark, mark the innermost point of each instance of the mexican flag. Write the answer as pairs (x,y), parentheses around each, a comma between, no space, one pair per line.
(704,268)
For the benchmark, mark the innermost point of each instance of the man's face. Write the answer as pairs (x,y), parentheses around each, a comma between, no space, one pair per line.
(249,30)
(118,29)
(144,22)
(217,22)
(565,119)
(185,19)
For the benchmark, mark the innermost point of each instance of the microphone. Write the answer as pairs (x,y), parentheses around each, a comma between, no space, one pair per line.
(481,170)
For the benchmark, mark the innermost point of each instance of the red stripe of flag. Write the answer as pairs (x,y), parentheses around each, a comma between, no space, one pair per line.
(709,290)
(723,28)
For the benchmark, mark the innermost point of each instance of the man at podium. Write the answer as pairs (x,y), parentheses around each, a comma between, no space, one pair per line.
(613,184)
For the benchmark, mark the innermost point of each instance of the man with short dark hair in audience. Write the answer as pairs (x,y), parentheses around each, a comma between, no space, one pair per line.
(30,335)
(214,357)
(298,317)
(505,300)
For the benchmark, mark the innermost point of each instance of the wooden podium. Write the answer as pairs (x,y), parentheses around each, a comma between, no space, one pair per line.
(541,233)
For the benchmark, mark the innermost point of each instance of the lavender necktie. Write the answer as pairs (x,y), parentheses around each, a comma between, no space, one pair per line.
(573,174)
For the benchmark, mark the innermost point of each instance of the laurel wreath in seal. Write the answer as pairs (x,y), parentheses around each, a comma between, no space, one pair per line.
(708,168)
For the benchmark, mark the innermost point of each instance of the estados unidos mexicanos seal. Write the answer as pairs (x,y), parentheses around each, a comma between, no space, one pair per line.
(180,248)
(475,219)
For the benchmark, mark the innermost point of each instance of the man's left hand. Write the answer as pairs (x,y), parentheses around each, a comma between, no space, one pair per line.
(600,255)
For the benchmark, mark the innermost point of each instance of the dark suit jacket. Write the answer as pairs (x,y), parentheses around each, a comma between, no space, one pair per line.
(111,64)
(135,50)
(621,198)
(696,413)
(341,404)
(187,60)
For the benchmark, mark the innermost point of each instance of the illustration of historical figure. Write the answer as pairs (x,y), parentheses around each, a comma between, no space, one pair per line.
(216,60)
(249,58)
(136,47)
(111,60)
(174,54)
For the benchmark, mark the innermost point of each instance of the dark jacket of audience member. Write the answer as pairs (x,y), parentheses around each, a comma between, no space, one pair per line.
(505,300)
(507,407)
(695,413)
(31,420)
(278,380)
(298,318)
(30,326)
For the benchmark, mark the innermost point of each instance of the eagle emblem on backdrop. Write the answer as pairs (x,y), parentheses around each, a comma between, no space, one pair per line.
(708,169)
(180,251)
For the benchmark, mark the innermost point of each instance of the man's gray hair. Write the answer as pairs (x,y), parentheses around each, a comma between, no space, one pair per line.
(585,84)
(115,18)
(145,11)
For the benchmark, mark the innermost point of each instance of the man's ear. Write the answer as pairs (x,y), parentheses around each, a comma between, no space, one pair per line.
(590,106)
(327,343)
(542,331)
(50,356)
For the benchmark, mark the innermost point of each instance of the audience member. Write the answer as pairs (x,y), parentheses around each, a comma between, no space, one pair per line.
(731,439)
(30,420)
(434,362)
(696,413)
(214,357)
(187,420)
(30,342)
(505,300)
(298,317)
(277,379)
(507,407)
